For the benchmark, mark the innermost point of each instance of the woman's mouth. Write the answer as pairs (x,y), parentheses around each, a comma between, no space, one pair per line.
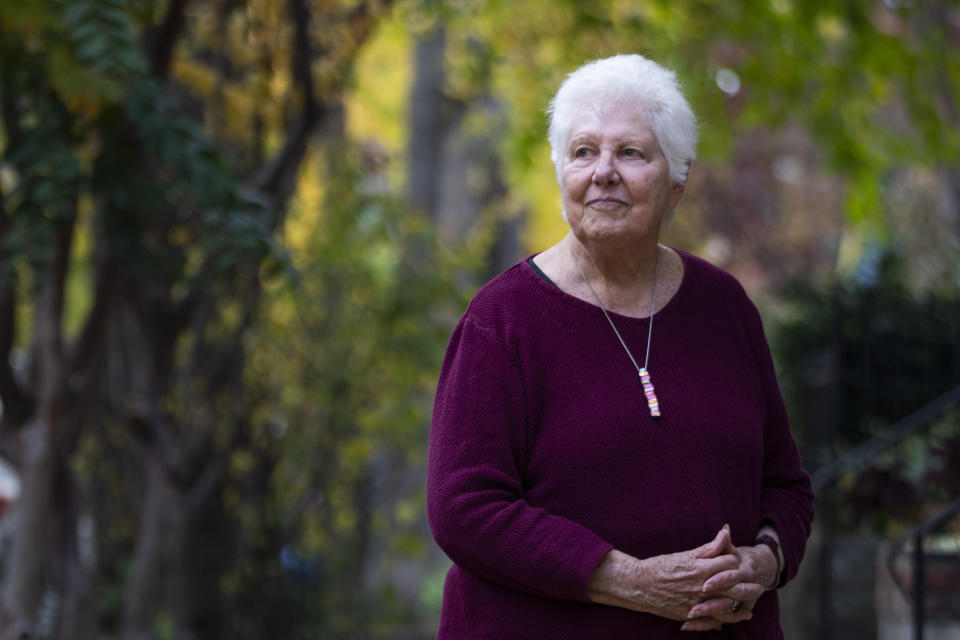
(605,202)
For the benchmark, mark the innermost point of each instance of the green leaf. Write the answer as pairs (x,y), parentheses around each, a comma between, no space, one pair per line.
(76,12)
(94,49)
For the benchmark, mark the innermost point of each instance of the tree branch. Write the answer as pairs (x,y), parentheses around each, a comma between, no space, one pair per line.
(202,488)
(8,97)
(163,37)
(62,243)
(359,25)
(277,177)
(301,66)
(17,405)
(92,331)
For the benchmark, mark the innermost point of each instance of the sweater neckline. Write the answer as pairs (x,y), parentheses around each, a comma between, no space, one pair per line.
(530,272)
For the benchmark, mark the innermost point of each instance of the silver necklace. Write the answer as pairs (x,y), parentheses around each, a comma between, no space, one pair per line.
(652,402)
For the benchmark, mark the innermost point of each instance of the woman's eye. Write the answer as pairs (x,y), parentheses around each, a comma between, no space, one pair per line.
(582,152)
(632,153)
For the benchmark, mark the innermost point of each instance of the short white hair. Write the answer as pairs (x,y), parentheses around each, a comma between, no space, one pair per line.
(639,84)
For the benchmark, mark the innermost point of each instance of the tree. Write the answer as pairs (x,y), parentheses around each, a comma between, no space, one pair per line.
(121,204)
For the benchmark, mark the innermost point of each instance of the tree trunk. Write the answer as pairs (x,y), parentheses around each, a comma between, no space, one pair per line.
(23,583)
(456,176)
(78,618)
(431,117)
(156,575)
(26,576)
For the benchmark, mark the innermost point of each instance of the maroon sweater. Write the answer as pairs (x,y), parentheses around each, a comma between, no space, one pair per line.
(543,455)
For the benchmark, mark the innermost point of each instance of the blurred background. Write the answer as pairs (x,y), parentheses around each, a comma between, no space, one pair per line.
(235,236)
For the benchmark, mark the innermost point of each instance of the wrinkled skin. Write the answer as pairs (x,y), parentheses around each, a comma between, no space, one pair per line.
(698,586)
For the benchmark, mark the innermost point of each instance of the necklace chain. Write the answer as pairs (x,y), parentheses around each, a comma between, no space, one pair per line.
(652,401)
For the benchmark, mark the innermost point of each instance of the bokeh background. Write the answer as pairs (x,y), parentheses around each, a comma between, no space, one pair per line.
(235,236)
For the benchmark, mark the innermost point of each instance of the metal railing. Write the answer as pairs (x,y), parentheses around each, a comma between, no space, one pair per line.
(859,457)
(919,578)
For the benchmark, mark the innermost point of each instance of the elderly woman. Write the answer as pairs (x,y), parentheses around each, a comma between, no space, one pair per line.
(610,455)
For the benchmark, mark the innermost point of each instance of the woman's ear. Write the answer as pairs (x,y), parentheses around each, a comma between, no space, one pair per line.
(676,192)
(677,188)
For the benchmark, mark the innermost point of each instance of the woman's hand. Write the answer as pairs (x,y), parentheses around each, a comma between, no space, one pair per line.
(671,585)
(757,567)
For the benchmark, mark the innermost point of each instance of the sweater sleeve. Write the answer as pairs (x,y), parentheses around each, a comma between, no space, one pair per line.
(475,491)
(787,494)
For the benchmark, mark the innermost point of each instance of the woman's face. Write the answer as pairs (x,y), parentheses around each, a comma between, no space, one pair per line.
(615,179)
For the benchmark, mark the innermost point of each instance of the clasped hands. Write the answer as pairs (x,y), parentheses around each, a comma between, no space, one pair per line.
(700,587)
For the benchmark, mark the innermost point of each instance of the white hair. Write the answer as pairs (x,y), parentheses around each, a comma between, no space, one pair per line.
(639,84)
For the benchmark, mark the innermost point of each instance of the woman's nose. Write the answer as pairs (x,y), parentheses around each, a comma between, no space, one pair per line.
(605,173)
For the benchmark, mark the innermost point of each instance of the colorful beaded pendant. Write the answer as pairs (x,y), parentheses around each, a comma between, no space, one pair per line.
(652,403)
(648,391)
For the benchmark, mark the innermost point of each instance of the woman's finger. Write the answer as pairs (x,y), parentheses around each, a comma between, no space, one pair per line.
(729,547)
(736,591)
(723,580)
(709,567)
(716,546)
(701,624)
(723,609)
(743,591)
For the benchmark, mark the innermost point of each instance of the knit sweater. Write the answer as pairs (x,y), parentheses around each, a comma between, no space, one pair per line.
(543,454)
